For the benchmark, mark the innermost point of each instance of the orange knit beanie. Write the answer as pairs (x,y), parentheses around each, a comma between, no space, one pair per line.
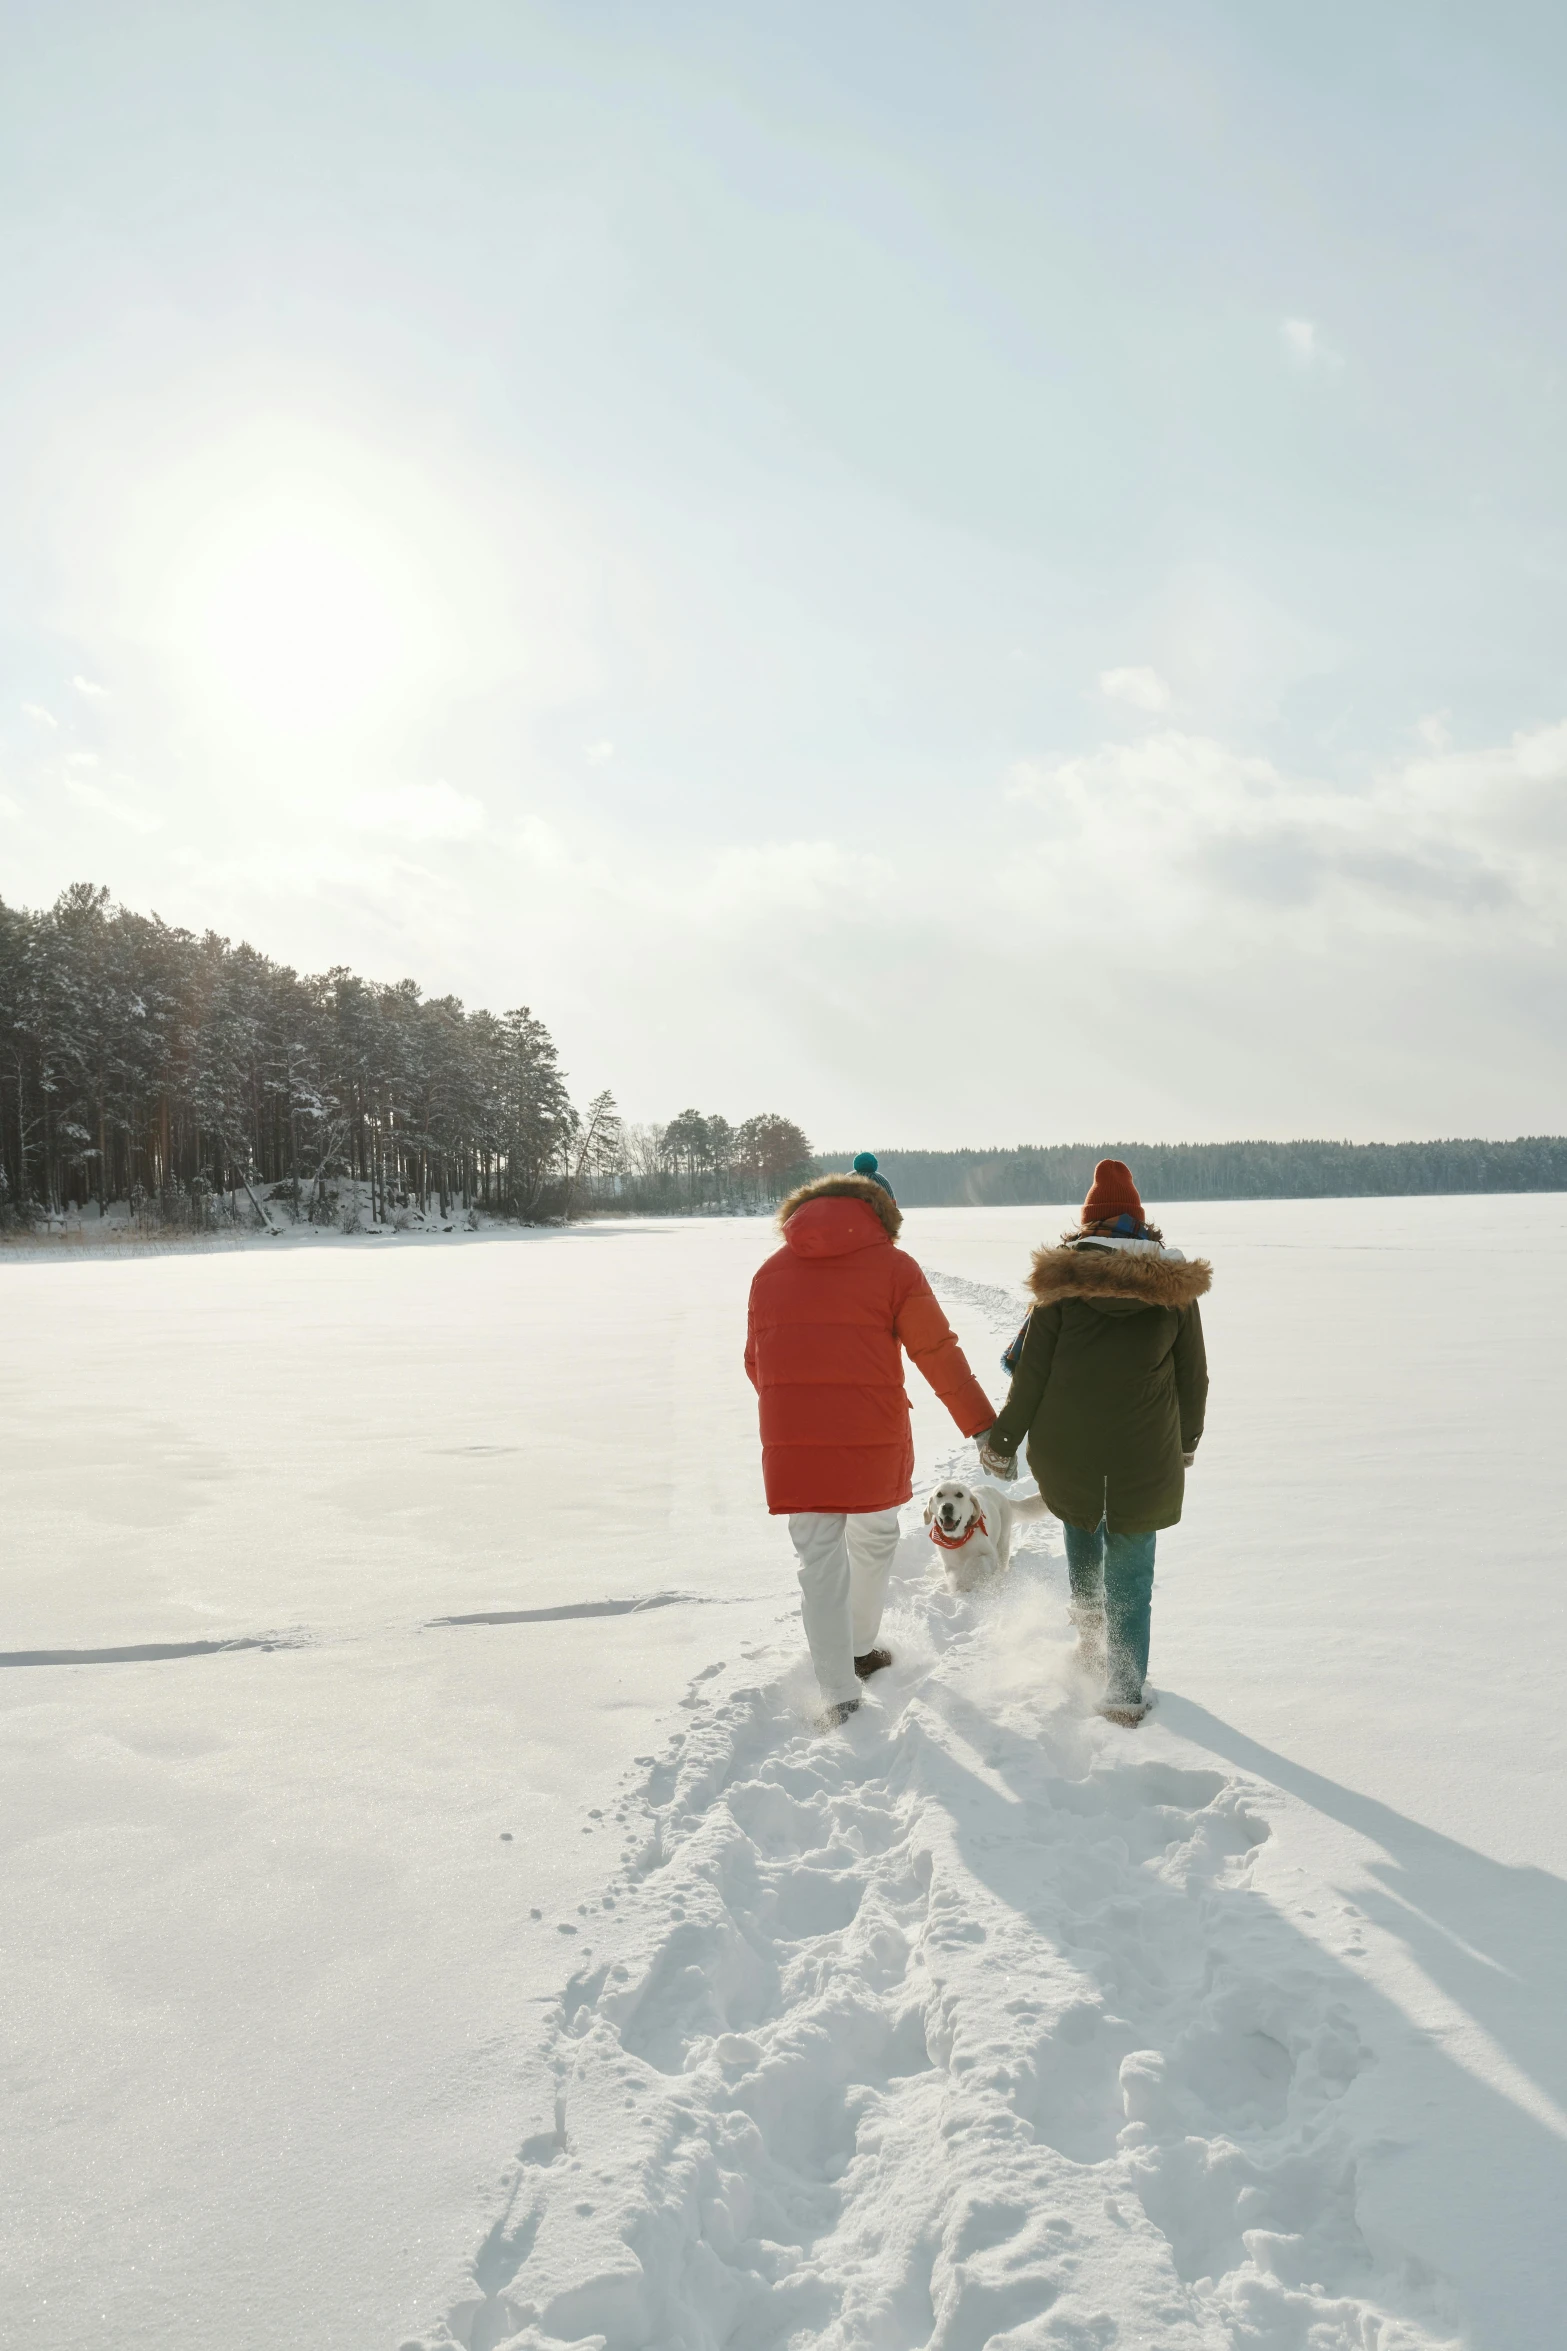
(1111,1194)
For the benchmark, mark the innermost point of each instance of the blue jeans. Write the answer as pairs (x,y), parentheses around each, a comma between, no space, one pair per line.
(1114,1573)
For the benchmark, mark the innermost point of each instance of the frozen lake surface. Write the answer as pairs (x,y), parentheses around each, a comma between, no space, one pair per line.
(537,1978)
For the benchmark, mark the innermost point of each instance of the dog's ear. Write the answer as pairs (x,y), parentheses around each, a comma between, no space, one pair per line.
(930,1507)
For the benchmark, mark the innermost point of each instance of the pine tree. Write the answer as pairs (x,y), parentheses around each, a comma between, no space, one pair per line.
(196,1079)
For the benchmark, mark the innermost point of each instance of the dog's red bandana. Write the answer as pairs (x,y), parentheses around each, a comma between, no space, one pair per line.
(976,1526)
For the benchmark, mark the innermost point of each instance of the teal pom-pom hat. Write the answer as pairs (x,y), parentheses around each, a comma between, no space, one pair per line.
(865,1165)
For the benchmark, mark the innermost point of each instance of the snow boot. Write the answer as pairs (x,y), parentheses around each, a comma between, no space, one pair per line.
(874,1661)
(832,1718)
(1093,1653)
(1127,1712)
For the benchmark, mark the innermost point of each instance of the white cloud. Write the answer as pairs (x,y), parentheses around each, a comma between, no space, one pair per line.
(39,716)
(125,812)
(419,812)
(1138,689)
(1303,342)
(86,686)
(728,890)
(1195,939)
(598,753)
(1183,833)
(1230,945)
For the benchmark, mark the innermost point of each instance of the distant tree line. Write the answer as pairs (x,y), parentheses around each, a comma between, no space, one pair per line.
(698,1163)
(193,1079)
(1041,1175)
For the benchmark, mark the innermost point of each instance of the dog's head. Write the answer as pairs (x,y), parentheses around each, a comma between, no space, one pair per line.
(952,1507)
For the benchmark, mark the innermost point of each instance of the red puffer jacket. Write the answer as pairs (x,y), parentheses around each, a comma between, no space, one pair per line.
(829,1312)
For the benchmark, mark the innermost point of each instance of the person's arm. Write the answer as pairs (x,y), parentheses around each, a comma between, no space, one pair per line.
(750,1344)
(1029,1381)
(929,1338)
(1191,1378)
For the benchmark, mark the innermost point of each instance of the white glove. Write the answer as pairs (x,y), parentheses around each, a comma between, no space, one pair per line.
(1188,1459)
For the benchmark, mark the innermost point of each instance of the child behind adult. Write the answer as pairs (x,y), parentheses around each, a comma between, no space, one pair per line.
(830,1314)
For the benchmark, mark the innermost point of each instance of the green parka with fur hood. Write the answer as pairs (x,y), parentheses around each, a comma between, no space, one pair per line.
(1112,1382)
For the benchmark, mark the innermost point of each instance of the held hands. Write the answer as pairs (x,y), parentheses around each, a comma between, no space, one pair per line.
(995,1458)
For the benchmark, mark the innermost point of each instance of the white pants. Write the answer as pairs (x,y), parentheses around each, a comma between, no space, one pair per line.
(845,1560)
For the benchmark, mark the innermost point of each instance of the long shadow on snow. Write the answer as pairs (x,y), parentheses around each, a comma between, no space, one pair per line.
(1492,1935)
(1486,2211)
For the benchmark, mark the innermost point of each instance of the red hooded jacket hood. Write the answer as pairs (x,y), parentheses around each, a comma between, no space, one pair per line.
(832,1226)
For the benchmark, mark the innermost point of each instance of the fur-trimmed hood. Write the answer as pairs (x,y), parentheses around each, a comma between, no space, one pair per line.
(1134,1277)
(846,1187)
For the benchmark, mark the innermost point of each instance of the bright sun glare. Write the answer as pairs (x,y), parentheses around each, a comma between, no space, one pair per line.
(306,615)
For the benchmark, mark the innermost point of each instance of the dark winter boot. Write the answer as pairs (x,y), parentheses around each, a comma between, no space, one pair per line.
(832,1717)
(874,1661)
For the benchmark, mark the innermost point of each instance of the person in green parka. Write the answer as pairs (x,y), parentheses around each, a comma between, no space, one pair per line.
(1109,1388)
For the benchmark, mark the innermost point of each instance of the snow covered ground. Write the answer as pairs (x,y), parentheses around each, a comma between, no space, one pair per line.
(544,1981)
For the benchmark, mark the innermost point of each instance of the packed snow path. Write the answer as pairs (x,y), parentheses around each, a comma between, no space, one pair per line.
(966,2026)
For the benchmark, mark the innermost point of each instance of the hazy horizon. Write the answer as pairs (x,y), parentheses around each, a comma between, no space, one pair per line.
(934,570)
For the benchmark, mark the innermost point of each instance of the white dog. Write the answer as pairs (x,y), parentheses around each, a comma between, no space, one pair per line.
(971,1527)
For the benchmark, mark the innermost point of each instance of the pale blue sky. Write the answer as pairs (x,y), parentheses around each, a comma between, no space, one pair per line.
(968,574)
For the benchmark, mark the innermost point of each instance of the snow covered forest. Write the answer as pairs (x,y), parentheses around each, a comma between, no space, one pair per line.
(190,1079)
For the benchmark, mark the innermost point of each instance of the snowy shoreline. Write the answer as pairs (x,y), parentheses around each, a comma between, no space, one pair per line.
(116,1234)
(115,1237)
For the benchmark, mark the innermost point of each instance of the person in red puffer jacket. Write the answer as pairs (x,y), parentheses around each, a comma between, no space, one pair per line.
(831,1313)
